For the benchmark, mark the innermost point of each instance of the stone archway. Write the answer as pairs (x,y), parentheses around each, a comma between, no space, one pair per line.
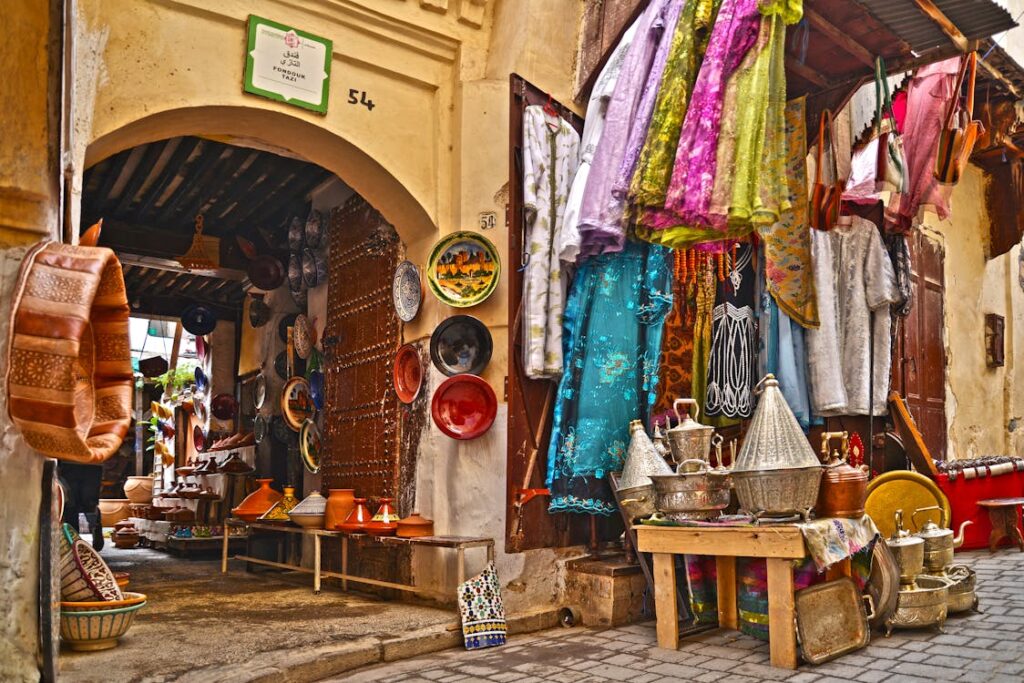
(273,129)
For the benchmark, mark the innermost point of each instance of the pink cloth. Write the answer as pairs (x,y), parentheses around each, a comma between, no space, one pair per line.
(928,96)
(693,176)
(601,213)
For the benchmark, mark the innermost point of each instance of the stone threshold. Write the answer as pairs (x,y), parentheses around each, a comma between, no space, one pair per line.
(323,661)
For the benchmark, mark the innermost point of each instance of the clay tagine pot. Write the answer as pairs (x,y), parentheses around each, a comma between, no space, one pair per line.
(235,465)
(139,490)
(339,504)
(385,522)
(357,519)
(257,502)
(415,526)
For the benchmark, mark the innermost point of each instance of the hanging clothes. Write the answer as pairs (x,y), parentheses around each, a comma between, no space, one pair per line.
(676,23)
(648,184)
(733,340)
(784,354)
(704,304)
(928,97)
(828,392)
(861,278)
(613,326)
(601,214)
(694,166)
(675,368)
(568,245)
(551,152)
(787,243)
(899,254)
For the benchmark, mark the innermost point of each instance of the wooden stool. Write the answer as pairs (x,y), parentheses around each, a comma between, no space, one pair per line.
(1002,513)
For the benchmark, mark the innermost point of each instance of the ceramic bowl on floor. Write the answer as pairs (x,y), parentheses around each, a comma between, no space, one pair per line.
(130,599)
(100,629)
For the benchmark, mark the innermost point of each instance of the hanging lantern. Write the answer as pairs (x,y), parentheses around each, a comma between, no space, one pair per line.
(201,255)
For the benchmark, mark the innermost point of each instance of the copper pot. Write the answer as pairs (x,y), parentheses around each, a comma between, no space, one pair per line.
(843,487)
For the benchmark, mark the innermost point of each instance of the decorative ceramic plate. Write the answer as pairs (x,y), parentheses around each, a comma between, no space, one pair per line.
(95,572)
(296,403)
(406,290)
(295,282)
(316,389)
(224,406)
(309,446)
(198,319)
(464,407)
(314,268)
(302,336)
(259,428)
(198,438)
(201,348)
(902,490)
(266,272)
(407,373)
(461,344)
(463,269)
(314,228)
(259,312)
(259,390)
(202,382)
(281,366)
(279,430)
(296,233)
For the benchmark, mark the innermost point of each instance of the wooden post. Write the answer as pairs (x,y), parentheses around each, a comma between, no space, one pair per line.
(781,613)
(726,570)
(461,575)
(316,563)
(344,562)
(665,600)
(224,553)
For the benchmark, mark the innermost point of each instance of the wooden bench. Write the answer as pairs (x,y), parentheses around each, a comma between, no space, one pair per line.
(1003,514)
(780,545)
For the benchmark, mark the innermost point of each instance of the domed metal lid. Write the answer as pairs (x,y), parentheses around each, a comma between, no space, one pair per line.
(774,440)
(642,459)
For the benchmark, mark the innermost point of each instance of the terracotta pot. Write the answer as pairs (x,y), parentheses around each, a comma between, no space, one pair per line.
(113,510)
(415,526)
(385,522)
(357,519)
(139,490)
(126,538)
(257,502)
(339,504)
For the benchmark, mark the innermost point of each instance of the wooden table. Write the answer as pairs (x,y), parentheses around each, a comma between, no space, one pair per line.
(458,543)
(1002,513)
(779,545)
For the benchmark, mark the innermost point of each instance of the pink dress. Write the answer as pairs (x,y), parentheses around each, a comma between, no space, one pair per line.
(928,97)
(693,175)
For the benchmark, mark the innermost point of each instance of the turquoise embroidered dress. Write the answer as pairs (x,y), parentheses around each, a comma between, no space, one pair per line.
(612,344)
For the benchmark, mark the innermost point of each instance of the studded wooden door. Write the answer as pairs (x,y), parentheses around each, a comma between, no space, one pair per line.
(361,335)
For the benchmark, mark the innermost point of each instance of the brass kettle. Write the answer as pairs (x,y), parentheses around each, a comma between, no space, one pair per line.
(908,551)
(843,487)
(939,542)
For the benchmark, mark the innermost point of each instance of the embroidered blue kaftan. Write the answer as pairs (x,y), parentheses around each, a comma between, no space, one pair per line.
(611,344)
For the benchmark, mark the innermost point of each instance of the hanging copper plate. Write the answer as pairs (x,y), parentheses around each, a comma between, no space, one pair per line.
(407,373)
(464,407)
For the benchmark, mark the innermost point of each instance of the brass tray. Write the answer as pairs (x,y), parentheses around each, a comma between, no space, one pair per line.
(831,620)
(903,490)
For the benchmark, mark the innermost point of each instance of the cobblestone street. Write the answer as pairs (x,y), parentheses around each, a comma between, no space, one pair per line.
(974,648)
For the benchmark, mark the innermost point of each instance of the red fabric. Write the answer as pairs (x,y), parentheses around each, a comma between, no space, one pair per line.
(964,495)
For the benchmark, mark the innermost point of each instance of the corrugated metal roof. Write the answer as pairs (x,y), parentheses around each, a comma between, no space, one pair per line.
(976,19)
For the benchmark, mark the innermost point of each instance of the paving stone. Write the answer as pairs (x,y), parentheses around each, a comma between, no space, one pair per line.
(911,656)
(872,676)
(620,673)
(719,664)
(803,677)
(761,671)
(679,671)
(623,660)
(929,671)
(711,676)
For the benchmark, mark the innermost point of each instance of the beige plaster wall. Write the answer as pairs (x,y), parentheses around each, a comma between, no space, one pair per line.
(431,156)
(984,406)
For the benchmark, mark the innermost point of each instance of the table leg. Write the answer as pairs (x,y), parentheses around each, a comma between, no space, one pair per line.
(725,568)
(460,577)
(224,553)
(781,613)
(316,564)
(665,600)
(998,521)
(344,562)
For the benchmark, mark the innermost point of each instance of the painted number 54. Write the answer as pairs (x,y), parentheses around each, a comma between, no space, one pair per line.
(359,97)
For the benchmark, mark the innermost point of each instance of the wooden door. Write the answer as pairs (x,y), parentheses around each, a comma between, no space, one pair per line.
(919,370)
(360,339)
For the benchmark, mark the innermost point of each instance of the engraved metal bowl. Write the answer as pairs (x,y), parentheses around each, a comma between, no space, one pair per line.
(922,606)
(778,493)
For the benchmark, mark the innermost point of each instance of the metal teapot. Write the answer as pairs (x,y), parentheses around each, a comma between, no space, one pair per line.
(939,542)
(844,488)
(908,551)
(689,439)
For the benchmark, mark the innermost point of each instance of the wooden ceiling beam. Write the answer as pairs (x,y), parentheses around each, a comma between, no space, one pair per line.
(833,34)
(807,73)
(948,27)
(173,306)
(204,165)
(167,175)
(138,178)
(147,241)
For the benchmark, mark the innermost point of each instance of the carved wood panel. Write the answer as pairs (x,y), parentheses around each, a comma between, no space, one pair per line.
(361,335)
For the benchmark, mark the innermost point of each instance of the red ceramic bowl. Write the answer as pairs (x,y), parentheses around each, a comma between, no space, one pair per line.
(407,373)
(464,407)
